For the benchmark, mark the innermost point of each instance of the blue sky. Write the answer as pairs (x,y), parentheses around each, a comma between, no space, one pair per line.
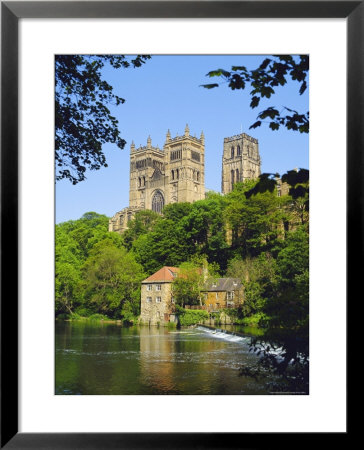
(165,94)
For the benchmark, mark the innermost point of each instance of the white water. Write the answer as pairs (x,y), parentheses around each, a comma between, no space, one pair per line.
(222,334)
(231,337)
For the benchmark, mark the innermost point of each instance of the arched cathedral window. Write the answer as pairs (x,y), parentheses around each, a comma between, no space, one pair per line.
(237,175)
(158,202)
(172,173)
(238,152)
(232,178)
(232,152)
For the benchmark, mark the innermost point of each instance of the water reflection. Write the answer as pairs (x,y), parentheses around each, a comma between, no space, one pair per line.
(101,359)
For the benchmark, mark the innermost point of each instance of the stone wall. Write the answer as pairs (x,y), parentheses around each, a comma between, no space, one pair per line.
(152,311)
(219,300)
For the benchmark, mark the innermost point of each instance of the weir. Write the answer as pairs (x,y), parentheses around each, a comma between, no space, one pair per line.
(232,336)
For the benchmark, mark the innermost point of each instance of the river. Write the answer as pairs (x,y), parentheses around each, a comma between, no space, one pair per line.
(95,358)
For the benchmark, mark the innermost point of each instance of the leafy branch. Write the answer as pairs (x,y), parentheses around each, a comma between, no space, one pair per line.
(272,73)
(83,121)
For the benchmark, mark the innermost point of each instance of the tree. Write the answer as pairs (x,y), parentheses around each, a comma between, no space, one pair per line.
(112,279)
(83,121)
(67,287)
(256,221)
(74,241)
(143,222)
(204,226)
(258,275)
(271,73)
(164,245)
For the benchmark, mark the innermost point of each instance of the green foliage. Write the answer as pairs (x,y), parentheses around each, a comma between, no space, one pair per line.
(98,317)
(142,223)
(112,280)
(188,317)
(83,121)
(256,221)
(187,285)
(272,73)
(165,245)
(94,272)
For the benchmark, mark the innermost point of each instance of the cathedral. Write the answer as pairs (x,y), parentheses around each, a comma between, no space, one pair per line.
(176,173)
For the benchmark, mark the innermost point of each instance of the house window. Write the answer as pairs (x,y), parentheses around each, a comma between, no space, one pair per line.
(149,287)
(230,295)
(158,287)
(158,299)
(149,299)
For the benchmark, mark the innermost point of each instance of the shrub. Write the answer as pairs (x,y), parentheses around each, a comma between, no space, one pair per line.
(63,316)
(191,316)
(254,320)
(98,317)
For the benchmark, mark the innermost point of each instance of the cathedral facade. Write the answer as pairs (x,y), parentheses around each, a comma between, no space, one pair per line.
(176,173)
(158,177)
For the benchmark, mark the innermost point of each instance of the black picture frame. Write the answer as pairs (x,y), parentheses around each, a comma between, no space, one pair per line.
(11,12)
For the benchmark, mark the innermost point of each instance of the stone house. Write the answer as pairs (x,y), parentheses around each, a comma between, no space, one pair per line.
(222,293)
(157,303)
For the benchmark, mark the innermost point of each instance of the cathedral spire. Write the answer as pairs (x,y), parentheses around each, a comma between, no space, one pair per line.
(149,142)
(187,130)
(202,137)
(168,137)
(132,146)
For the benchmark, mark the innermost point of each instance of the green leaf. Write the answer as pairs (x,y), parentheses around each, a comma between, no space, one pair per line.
(209,86)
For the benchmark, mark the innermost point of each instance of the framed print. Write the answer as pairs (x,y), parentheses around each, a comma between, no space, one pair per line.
(57,405)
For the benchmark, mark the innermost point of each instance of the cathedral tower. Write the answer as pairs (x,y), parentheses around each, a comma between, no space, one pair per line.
(173,174)
(240,161)
(159,177)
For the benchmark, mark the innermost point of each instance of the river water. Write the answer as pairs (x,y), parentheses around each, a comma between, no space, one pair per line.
(95,358)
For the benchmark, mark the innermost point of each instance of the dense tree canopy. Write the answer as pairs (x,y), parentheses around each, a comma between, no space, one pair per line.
(263,81)
(83,121)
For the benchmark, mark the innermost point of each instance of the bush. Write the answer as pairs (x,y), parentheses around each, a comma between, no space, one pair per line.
(98,317)
(63,316)
(191,317)
(83,311)
(255,320)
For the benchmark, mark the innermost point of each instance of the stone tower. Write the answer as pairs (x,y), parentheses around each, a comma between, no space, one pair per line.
(240,161)
(159,177)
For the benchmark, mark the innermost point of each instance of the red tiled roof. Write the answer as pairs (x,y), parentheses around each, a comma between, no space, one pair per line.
(163,274)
